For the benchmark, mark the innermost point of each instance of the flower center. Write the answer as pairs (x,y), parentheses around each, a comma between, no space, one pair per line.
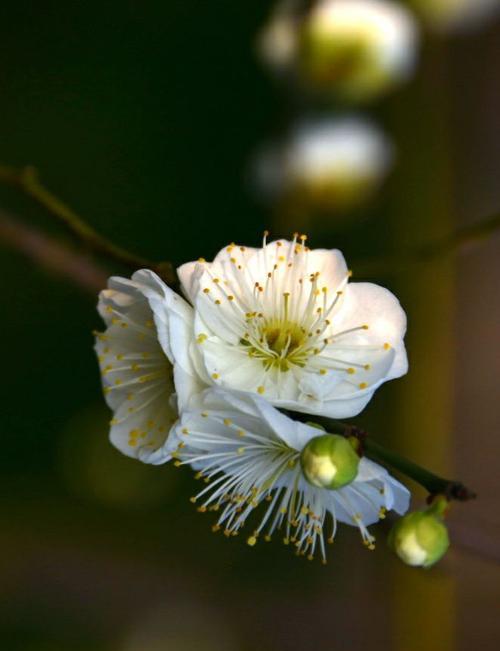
(280,344)
(284,337)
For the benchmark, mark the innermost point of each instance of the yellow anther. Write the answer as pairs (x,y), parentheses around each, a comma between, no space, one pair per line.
(351,371)
(323,371)
(261,390)
(201,260)
(387,346)
(251,540)
(206,290)
(215,376)
(365,327)
(367,367)
(227,421)
(230,298)
(201,338)
(362,385)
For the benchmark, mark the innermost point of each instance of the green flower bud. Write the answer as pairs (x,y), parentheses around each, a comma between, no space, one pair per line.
(329,461)
(420,539)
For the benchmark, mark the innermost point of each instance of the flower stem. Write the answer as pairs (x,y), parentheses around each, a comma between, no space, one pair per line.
(434,484)
(28,181)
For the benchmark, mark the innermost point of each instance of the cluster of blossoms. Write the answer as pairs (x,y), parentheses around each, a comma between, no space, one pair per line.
(212,382)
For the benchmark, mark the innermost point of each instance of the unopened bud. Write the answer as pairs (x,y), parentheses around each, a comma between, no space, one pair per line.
(357,48)
(329,461)
(420,539)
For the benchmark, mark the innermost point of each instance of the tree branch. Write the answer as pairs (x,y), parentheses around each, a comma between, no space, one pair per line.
(52,255)
(455,243)
(27,180)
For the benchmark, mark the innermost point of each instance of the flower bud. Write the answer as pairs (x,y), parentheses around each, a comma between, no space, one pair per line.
(326,165)
(329,461)
(357,48)
(420,539)
(277,43)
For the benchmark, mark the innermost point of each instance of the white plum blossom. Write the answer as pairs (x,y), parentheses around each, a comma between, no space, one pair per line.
(144,350)
(248,454)
(283,321)
(358,48)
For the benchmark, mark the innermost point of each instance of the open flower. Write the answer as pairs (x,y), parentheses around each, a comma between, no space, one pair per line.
(284,322)
(142,354)
(248,454)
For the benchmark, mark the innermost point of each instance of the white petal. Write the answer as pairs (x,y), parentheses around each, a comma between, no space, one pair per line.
(146,345)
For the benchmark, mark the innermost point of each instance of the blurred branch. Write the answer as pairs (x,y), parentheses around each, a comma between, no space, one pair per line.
(51,254)
(27,180)
(457,242)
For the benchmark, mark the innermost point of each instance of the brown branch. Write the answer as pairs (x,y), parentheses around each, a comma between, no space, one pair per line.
(407,259)
(27,180)
(52,255)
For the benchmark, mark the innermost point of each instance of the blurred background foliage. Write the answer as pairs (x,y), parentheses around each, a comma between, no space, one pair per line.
(145,117)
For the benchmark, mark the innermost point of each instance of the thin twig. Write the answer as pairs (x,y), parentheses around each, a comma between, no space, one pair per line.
(27,180)
(407,259)
(52,255)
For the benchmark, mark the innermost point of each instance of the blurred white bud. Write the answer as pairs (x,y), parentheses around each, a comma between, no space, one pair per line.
(328,165)
(357,49)
(456,15)
(277,42)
